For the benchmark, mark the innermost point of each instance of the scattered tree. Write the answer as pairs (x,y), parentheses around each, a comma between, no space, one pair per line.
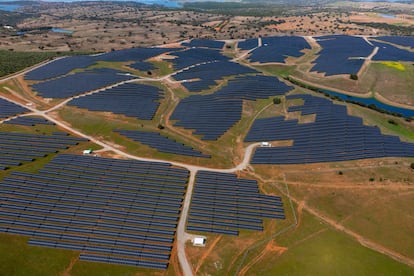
(353,77)
(277,100)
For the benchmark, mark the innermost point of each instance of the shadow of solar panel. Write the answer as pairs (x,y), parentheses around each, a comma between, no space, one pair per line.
(334,136)
(161,143)
(225,202)
(278,48)
(129,99)
(89,211)
(79,83)
(341,54)
(9,109)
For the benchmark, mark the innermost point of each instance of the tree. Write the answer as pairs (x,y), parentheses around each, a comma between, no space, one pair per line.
(353,77)
(277,100)
(412,166)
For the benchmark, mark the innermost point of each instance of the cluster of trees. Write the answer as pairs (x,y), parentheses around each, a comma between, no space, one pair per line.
(12,62)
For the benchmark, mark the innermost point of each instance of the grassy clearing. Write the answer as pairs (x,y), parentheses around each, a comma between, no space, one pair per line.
(392,80)
(276,70)
(324,252)
(18,258)
(402,128)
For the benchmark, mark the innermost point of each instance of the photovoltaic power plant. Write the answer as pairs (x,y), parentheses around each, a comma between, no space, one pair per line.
(205,43)
(59,67)
(194,56)
(341,54)
(113,211)
(209,73)
(387,52)
(161,143)
(79,83)
(213,114)
(248,44)
(334,136)
(130,99)
(29,121)
(278,48)
(18,148)
(9,109)
(223,203)
(407,41)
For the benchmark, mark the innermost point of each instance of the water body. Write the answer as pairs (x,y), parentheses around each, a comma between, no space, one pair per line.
(9,7)
(58,30)
(165,3)
(386,15)
(369,101)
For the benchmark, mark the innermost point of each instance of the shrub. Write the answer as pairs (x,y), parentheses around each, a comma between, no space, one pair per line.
(412,166)
(340,173)
(277,100)
(353,77)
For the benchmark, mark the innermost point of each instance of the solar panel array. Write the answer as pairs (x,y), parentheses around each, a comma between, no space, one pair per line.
(334,136)
(407,41)
(209,73)
(212,115)
(248,44)
(79,83)
(133,54)
(341,54)
(142,66)
(194,56)
(161,143)
(223,203)
(29,121)
(114,211)
(60,67)
(9,109)
(18,148)
(278,48)
(213,44)
(130,99)
(389,52)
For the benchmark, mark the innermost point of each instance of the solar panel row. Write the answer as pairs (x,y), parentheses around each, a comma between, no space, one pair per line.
(224,203)
(194,56)
(161,143)
(129,99)
(407,41)
(278,48)
(213,44)
(9,109)
(341,54)
(248,44)
(17,148)
(79,83)
(209,73)
(98,209)
(334,136)
(212,115)
(29,121)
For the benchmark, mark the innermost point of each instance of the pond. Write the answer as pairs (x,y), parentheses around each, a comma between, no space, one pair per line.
(9,7)
(371,101)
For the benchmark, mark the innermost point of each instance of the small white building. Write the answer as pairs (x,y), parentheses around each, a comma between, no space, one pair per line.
(87,152)
(199,241)
(265,144)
